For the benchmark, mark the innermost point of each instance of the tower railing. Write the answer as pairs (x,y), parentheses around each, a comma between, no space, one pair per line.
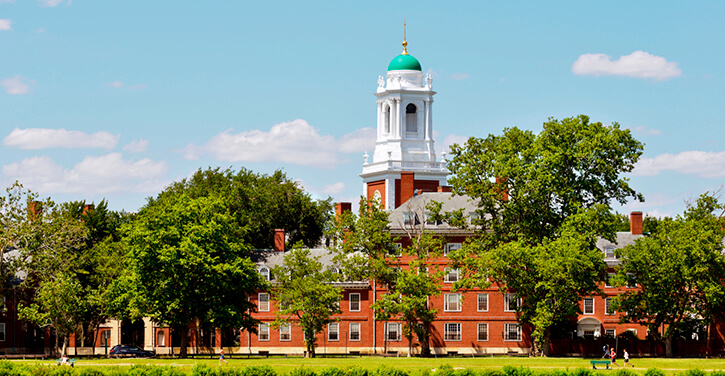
(404,166)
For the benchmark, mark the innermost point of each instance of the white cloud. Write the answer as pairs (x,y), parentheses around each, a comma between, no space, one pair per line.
(646,131)
(460,76)
(453,139)
(43,138)
(40,31)
(295,142)
(93,175)
(638,64)
(701,163)
(333,189)
(51,3)
(359,141)
(119,85)
(16,85)
(136,146)
(6,24)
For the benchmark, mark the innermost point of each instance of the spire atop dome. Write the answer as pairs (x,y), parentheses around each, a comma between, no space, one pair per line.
(405,42)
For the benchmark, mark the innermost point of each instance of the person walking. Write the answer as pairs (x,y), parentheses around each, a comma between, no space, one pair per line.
(626,359)
(221,358)
(605,348)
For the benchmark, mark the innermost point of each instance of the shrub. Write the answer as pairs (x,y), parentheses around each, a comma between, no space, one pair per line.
(302,372)
(258,371)
(384,370)
(492,372)
(695,372)
(655,372)
(582,372)
(625,372)
(331,371)
(517,371)
(357,371)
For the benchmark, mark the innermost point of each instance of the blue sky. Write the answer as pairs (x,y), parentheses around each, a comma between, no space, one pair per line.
(115,100)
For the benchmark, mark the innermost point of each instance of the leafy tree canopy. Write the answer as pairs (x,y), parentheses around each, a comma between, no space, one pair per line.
(259,204)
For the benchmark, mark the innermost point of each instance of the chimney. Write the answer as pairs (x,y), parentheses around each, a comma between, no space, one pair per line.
(407,186)
(87,208)
(342,208)
(635,223)
(279,240)
(444,188)
(35,209)
(502,188)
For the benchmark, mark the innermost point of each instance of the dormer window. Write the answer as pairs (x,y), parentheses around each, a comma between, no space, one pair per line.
(264,271)
(411,118)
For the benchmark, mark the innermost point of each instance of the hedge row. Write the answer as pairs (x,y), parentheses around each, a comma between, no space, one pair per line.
(16,369)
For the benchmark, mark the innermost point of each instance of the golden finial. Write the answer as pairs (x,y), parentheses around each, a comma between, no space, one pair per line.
(405,42)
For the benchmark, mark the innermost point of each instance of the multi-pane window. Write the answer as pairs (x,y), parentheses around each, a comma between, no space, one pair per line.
(512,332)
(610,332)
(631,281)
(264,271)
(452,302)
(354,302)
(608,281)
(608,309)
(354,331)
(2,331)
(393,331)
(609,252)
(263,331)
(510,303)
(482,302)
(285,332)
(451,275)
(430,221)
(588,306)
(333,331)
(263,304)
(450,247)
(482,331)
(452,331)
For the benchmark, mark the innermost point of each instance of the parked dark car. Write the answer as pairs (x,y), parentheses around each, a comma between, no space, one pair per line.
(129,351)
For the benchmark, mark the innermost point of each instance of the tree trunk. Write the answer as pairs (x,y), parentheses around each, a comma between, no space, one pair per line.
(184,332)
(668,343)
(425,342)
(545,346)
(708,349)
(65,346)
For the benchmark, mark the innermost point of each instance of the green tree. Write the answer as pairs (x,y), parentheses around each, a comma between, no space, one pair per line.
(528,187)
(259,204)
(686,278)
(39,241)
(185,264)
(304,288)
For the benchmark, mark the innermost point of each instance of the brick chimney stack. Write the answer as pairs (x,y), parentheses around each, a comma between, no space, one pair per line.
(444,188)
(502,188)
(342,208)
(279,240)
(635,223)
(407,186)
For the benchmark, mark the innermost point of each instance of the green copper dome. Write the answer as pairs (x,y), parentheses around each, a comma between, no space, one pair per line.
(404,62)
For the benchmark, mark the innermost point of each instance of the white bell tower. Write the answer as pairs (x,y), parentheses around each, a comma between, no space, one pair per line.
(404,141)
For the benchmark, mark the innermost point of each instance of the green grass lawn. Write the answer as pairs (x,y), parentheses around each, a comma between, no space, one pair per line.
(284,365)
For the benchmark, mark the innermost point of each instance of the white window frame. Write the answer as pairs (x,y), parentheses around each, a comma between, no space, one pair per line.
(607,307)
(431,222)
(263,332)
(160,338)
(609,253)
(633,331)
(355,328)
(352,301)
(451,272)
(608,281)
(449,300)
(507,299)
(263,303)
(479,302)
(452,332)
(265,272)
(507,329)
(333,331)
(612,331)
(393,328)
(2,332)
(285,332)
(450,247)
(479,331)
(584,306)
